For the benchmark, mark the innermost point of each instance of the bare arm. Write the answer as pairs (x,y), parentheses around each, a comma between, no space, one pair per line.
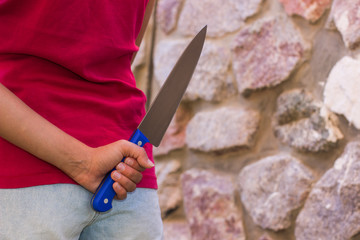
(23,127)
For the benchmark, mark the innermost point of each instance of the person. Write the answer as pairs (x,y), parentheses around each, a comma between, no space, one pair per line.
(68,99)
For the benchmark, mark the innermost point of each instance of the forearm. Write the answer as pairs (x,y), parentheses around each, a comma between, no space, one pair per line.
(23,127)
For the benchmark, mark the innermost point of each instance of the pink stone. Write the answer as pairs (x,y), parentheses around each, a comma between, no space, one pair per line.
(223,129)
(332,208)
(169,191)
(265,237)
(211,80)
(345,16)
(311,10)
(167,13)
(210,208)
(176,231)
(273,188)
(220,17)
(266,52)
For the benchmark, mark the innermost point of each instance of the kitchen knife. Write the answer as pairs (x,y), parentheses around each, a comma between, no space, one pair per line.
(157,119)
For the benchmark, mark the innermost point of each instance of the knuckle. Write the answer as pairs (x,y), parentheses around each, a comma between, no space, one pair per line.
(129,186)
(129,162)
(135,176)
(132,173)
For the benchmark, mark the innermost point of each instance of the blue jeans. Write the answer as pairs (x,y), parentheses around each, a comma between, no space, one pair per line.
(63,211)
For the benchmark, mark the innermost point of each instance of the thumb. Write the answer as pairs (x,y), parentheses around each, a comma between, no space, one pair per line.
(146,163)
(132,150)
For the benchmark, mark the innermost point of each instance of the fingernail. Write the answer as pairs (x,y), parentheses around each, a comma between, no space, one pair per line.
(117,186)
(116,175)
(121,167)
(129,161)
(150,163)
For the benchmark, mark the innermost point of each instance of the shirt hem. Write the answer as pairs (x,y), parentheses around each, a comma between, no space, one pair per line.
(16,182)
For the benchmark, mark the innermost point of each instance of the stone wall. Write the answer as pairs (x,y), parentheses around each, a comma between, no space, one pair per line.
(265,144)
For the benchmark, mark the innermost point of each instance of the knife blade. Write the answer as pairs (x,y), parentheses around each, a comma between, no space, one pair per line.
(157,119)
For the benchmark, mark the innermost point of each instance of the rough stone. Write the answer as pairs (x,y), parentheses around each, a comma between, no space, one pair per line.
(210,81)
(223,129)
(265,237)
(345,17)
(174,137)
(341,93)
(273,188)
(176,231)
(169,190)
(266,52)
(210,208)
(167,12)
(304,123)
(311,10)
(219,17)
(332,210)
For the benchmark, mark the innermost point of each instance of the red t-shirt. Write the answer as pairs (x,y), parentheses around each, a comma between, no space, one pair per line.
(69,60)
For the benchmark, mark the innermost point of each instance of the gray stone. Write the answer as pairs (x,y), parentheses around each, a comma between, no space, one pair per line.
(167,12)
(310,10)
(176,231)
(345,17)
(210,208)
(332,210)
(210,81)
(219,17)
(341,93)
(266,52)
(223,129)
(304,123)
(167,52)
(273,188)
(174,137)
(169,190)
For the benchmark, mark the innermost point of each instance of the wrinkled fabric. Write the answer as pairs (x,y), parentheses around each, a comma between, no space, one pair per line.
(63,212)
(70,61)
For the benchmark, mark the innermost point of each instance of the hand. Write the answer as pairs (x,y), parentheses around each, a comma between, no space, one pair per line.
(103,159)
(23,127)
(126,176)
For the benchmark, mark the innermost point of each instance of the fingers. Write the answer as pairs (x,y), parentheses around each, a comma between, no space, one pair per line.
(134,164)
(122,184)
(121,193)
(132,150)
(129,172)
(126,178)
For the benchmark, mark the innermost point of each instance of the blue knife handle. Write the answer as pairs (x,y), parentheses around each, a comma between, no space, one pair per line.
(102,199)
